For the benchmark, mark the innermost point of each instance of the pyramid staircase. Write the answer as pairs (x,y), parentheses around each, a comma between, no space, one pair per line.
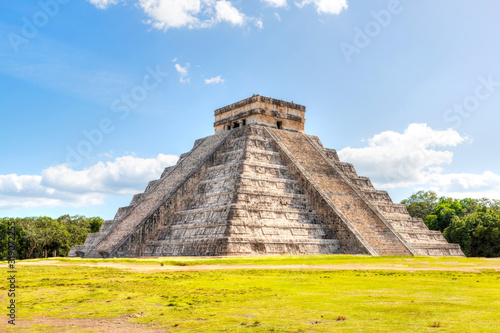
(387,227)
(246,203)
(260,185)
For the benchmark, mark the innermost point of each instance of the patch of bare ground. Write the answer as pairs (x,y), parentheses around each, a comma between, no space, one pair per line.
(166,268)
(105,325)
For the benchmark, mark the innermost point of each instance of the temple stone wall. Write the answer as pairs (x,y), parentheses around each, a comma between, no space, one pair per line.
(263,111)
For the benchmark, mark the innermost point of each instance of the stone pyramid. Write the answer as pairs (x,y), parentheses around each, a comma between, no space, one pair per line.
(260,185)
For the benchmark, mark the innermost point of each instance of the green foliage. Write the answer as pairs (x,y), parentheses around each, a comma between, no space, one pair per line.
(18,238)
(478,234)
(95,224)
(472,223)
(421,204)
(444,213)
(38,237)
(78,226)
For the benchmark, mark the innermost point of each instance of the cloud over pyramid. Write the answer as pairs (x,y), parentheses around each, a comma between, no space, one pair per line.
(261,185)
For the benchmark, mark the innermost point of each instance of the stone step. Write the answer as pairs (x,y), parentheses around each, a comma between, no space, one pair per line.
(249,177)
(245,138)
(248,211)
(262,240)
(227,183)
(347,169)
(122,211)
(229,247)
(167,170)
(279,224)
(363,183)
(407,218)
(267,217)
(423,237)
(247,163)
(408,223)
(270,185)
(274,194)
(107,225)
(392,211)
(233,156)
(242,194)
(377,197)
(249,168)
(268,179)
(188,164)
(250,150)
(342,194)
(136,198)
(438,250)
(251,141)
(331,153)
(265,232)
(249,157)
(151,184)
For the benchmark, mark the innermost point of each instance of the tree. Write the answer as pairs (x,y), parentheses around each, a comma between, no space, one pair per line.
(421,204)
(19,239)
(478,234)
(472,223)
(443,214)
(78,228)
(95,224)
(460,233)
(45,236)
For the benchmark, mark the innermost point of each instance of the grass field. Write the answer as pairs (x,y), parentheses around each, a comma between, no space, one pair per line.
(258,294)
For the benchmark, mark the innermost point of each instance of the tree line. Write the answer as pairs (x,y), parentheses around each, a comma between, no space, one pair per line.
(42,237)
(472,223)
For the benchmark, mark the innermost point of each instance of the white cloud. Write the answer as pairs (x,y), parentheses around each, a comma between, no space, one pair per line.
(183,72)
(275,3)
(214,80)
(107,154)
(103,4)
(414,158)
(193,14)
(465,182)
(167,14)
(395,159)
(278,17)
(62,186)
(225,11)
(325,6)
(258,23)
(199,14)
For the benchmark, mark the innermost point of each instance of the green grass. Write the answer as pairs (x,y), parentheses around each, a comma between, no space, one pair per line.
(271,300)
(410,262)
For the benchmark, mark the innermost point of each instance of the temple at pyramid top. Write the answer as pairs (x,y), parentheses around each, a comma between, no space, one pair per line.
(260,110)
(261,185)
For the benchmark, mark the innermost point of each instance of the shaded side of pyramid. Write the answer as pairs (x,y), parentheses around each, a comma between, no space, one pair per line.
(260,185)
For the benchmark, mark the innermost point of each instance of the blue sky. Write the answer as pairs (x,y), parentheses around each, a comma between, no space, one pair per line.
(98,96)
